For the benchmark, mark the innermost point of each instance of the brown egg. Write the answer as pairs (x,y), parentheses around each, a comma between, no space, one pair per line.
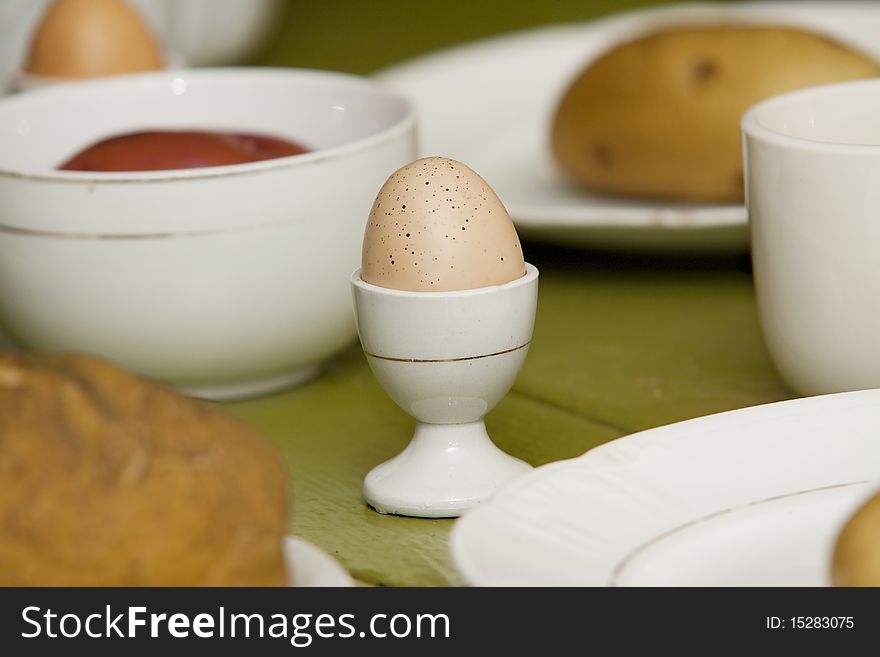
(437,226)
(92,38)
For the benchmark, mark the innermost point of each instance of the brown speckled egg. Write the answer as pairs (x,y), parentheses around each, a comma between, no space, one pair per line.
(92,38)
(437,226)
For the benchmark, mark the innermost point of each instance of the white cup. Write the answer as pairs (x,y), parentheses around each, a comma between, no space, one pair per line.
(813,193)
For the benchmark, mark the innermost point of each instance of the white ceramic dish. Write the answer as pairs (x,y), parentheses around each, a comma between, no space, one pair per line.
(224,281)
(489,104)
(213,32)
(748,497)
(311,566)
(812,158)
(446,358)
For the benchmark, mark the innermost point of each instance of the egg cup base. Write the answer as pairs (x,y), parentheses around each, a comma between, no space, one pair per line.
(445,470)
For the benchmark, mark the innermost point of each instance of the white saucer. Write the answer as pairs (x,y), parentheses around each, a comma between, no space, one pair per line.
(311,566)
(489,104)
(752,497)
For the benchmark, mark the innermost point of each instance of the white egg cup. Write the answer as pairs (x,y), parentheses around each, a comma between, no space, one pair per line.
(446,358)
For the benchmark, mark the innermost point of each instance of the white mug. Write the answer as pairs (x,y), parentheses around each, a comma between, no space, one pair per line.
(813,192)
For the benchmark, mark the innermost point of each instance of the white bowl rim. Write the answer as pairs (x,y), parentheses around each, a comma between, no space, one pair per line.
(752,126)
(530,276)
(201,173)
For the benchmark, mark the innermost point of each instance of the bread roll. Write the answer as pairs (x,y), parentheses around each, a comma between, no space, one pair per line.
(111,480)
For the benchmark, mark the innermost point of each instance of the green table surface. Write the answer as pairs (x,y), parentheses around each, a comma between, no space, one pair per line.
(622,342)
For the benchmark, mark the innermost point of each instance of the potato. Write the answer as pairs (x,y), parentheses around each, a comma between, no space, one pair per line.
(856,560)
(658,117)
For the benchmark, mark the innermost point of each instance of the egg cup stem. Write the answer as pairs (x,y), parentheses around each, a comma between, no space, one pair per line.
(445,470)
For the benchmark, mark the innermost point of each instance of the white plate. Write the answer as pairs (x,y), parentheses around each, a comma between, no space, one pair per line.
(489,104)
(748,497)
(311,566)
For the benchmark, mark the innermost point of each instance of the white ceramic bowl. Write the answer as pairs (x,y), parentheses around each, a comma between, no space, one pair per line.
(225,281)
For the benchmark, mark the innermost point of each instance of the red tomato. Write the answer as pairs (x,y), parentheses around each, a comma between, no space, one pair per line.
(166,149)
